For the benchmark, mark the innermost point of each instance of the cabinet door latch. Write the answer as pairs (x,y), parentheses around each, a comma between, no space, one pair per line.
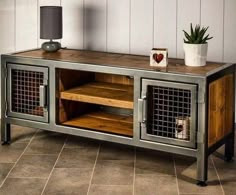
(42,96)
(142,110)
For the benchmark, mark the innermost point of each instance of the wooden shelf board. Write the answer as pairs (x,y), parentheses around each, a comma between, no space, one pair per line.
(99,121)
(109,94)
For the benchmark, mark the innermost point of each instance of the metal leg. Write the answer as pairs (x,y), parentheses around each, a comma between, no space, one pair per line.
(229,149)
(202,137)
(5,133)
(202,166)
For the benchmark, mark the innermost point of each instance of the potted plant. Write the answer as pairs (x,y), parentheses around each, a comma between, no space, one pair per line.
(195,45)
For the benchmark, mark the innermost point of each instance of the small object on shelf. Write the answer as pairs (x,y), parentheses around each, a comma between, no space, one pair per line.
(51,27)
(196,46)
(159,57)
(182,127)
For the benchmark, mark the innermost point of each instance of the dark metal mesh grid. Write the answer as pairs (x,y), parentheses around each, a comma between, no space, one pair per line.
(25,92)
(170,115)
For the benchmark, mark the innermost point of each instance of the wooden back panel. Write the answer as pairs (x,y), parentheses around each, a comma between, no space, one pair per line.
(112,78)
(220,108)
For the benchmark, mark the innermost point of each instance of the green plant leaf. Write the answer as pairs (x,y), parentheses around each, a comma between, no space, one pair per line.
(206,38)
(196,35)
(186,41)
(188,37)
(192,32)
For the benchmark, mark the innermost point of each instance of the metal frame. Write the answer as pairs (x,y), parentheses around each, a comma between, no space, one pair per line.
(143,110)
(10,112)
(201,151)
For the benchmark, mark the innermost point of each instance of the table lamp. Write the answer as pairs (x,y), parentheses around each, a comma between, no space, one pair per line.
(51,27)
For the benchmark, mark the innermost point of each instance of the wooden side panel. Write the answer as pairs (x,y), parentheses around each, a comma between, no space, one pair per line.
(220,108)
(229,93)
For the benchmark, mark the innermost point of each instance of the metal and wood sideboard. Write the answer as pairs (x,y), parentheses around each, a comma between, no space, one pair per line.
(120,98)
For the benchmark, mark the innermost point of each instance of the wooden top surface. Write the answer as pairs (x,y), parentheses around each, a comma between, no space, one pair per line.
(121,60)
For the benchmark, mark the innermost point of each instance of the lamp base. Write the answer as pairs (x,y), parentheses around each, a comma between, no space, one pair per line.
(51,46)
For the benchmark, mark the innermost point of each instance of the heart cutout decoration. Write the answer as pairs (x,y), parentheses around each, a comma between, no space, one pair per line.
(158,57)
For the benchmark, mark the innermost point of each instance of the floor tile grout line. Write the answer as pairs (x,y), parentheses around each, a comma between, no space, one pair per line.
(90,182)
(134,169)
(54,166)
(151,174)
(40,154)
(112,185)
(7,163)
(194,194)
(176,177)
(28,177)
(217,175)
(18,159)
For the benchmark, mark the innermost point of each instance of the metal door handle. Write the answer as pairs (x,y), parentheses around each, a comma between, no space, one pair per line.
(142,110)
(42,96)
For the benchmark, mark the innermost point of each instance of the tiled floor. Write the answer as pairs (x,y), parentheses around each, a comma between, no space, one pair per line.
(41,162)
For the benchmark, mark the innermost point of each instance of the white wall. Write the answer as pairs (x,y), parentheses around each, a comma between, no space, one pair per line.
(126,26)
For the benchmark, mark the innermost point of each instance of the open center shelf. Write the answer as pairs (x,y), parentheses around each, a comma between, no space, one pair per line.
(109,94)
(100,121)
(95,101)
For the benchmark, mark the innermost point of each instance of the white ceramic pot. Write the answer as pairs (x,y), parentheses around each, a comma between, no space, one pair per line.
(195,54)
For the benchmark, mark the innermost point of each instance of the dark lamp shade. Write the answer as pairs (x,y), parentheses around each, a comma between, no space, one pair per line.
(50,22)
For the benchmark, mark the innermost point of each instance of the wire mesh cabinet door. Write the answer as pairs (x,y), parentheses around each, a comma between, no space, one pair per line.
(167,112)
(27,91)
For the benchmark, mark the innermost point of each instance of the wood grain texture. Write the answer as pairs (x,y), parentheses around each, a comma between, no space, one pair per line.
(115,95)
(99,121)
(120,60)
(220,117)
(229,103)
(209,8)
(141,35)
(165,25)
